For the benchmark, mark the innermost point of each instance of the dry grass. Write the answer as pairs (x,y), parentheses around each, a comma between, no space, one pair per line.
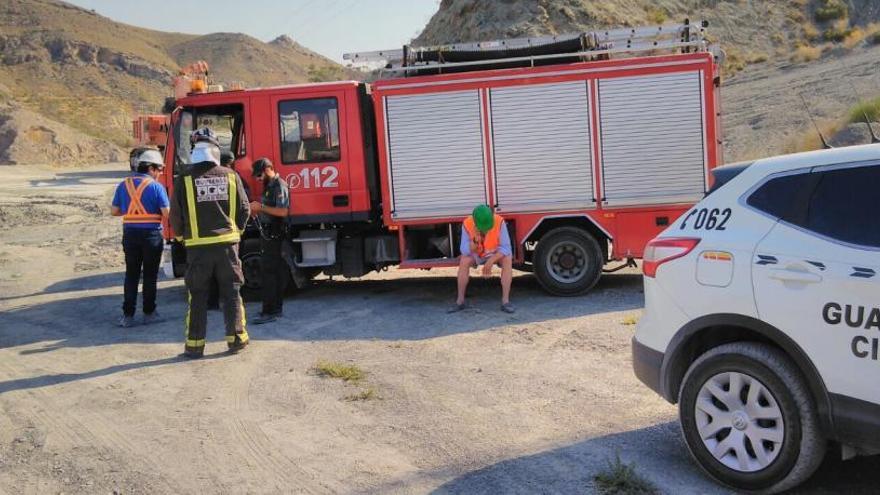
(805,53)
(369,393)
(630,320)
(809,140)
(855,37)
(344,372)
(811,33)
(657,15)
(620,478)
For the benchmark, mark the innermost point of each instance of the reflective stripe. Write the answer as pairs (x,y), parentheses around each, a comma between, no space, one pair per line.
(233,199)
(243,320)
(242,337)
(136,213)
(189,299)
(195,343)
(195,239)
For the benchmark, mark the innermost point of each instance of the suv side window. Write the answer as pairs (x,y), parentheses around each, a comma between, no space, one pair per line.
(781,197)
(845,205)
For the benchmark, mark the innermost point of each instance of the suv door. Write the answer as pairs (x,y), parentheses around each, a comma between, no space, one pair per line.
(817,273)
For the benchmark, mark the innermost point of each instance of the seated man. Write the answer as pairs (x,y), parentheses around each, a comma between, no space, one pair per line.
(485,241)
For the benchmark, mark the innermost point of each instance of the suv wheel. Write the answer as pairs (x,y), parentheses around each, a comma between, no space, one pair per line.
(568,261)
(748,418)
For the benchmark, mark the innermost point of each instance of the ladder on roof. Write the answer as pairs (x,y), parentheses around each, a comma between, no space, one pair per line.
(594,45)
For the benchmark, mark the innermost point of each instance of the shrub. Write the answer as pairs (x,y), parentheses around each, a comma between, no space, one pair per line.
(871,108)
(622,479)
(657,15)
(806,53)
(854,37)
(830,10)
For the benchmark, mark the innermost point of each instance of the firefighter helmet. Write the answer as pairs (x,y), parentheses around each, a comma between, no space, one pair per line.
(204,135)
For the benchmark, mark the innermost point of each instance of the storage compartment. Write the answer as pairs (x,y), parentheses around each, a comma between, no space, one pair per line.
(315,248)
(381,250)
(435,242)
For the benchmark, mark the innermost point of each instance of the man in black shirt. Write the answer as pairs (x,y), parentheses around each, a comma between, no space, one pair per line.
(273,210)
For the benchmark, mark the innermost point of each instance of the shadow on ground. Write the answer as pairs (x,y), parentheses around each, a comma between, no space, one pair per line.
(658,455)
(89,282)
(65,179)
(411,308)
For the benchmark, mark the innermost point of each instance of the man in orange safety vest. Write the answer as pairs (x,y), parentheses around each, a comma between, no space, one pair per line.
(143,204)
(485,241)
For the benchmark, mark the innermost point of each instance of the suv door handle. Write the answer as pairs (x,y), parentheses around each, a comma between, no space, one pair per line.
(789,275)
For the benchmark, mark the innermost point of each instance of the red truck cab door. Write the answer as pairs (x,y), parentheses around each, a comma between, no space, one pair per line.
(316,148)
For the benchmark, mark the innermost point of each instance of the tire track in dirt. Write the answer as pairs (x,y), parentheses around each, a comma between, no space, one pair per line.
(265,456)
(91,429)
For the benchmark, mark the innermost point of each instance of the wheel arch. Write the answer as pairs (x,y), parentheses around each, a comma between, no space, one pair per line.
(711,331)
(581,221)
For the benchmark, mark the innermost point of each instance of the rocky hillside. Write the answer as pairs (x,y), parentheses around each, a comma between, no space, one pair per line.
(64,64)
(774,51)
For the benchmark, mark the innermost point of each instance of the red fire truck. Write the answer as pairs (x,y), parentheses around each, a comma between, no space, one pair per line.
(150,130)
(588,145)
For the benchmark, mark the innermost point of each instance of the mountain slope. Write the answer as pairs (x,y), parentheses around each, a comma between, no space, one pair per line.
(90,73)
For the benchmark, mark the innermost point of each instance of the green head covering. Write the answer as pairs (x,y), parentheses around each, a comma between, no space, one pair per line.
(484,219)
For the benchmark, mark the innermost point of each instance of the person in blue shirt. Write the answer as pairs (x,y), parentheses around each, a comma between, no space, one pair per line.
(143,204)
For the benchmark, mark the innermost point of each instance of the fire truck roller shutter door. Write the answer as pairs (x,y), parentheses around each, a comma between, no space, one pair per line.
(542,146)
(652,139)
(435,144)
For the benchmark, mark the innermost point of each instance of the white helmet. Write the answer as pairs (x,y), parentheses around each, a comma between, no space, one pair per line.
(145,155)
(151,157)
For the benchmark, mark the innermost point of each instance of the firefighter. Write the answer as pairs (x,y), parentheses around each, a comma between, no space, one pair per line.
(485,241)
(142,203)
(227,159)
(272,209)
(208,213)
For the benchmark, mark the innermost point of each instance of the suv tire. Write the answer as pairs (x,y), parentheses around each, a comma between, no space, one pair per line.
(568,261)
(787,426)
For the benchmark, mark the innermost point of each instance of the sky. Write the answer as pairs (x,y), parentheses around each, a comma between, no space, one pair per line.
(329,27)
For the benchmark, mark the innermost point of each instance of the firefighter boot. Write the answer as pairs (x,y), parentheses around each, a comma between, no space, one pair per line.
(237,342)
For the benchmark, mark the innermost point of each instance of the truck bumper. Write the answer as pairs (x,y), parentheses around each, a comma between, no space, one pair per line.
(647,363)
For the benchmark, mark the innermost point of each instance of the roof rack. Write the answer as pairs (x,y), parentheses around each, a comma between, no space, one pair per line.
(543,50)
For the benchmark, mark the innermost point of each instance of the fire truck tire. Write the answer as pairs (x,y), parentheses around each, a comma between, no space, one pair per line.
(568,261)
(249,254)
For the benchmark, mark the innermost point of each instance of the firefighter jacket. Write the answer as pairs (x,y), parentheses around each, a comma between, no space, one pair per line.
(209,206)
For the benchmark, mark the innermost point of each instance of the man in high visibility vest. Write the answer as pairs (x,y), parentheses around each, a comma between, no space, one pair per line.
(208,213)
(485,241)
(142,203)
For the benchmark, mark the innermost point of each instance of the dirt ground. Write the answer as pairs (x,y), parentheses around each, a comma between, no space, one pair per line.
(474,402)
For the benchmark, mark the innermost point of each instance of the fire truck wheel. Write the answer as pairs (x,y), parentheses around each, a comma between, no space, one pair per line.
(568,261)
(249,253)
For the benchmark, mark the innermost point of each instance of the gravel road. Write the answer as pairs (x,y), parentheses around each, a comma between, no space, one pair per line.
(474,402)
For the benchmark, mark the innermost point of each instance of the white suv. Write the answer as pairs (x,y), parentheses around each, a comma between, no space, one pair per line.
(762,317)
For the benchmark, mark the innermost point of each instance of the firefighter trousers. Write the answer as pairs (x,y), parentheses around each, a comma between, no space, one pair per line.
(217,263)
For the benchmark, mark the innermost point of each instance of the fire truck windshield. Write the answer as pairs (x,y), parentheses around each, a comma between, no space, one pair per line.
(226,121)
